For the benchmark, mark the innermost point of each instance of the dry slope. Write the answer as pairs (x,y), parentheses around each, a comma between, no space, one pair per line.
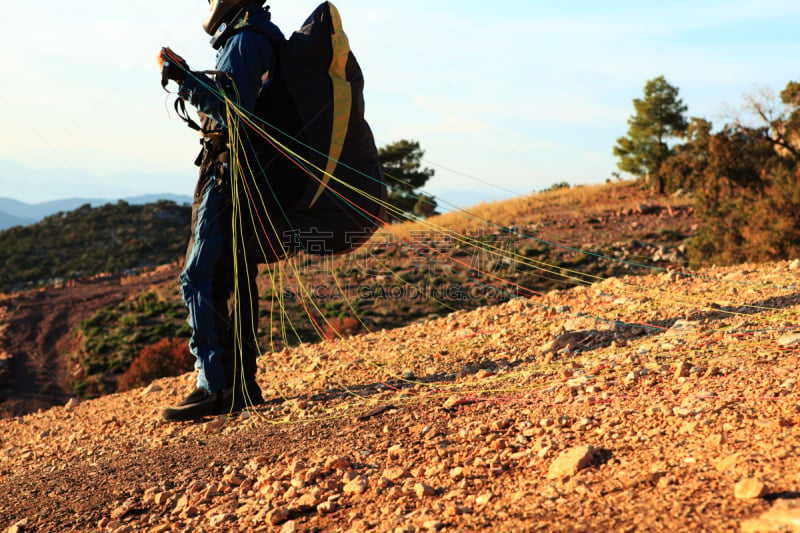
(660,403)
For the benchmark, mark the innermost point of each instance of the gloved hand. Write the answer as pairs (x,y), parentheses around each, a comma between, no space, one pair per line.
(173,67)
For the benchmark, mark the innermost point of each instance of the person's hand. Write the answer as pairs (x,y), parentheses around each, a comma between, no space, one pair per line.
(173,67)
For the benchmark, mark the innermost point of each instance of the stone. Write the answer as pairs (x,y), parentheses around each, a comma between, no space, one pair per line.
(395,452)
(19,526)
(716,439)
(162,498)
(682,327)
(278,516)
(457,473)
(71,404)
(423,490)
(792,339)
(151,389)
(326,508)
(454,509)
(433,525)
(121,510)
(726,462)
(570,462)
(749,489)
(338,462)
(217,521)
(396,473)
(289,527)
(306,502)
(456,400)
(357,486)
(483,499)
(312,474)
(783,516)
(683,370)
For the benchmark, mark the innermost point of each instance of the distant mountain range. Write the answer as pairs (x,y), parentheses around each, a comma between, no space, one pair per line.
(16,213)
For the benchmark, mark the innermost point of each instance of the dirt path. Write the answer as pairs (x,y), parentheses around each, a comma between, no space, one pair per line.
(37,326)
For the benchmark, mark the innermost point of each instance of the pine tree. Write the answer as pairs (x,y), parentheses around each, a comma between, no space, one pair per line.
(659,116)
(402,168)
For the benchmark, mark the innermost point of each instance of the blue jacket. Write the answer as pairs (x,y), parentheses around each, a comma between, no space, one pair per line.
(248,56)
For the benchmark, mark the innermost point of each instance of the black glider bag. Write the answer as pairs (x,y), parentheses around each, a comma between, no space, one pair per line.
(315,107)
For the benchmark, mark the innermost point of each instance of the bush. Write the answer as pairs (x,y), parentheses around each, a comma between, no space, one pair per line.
(167,357)
(340,326)
(749,201)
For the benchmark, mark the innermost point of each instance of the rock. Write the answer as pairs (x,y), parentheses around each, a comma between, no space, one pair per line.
(71,404)
(162,498)
(396,473)
(357,486)
(216,424)
(454,509)
(502,424)
(682,327)
(217,521)
(326,508)
(234,479)
(683,370)
(306,502)
(423,490)
(433,525)
(152,388)
(297,467)
(483,499)
(121,510)
(278,516)
(395,452)
(791,339)
(289,527)
(783,516)
(338,462)
(566,340)
(570,462)
(19,526)
(749,489)
(716,439)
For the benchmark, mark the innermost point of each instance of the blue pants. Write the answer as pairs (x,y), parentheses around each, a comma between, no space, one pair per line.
(223,356)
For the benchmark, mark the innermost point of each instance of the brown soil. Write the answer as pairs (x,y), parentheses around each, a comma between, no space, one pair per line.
(659,403)
(35,333)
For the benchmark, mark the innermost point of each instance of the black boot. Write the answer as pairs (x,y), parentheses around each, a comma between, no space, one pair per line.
(198,404)
(201,403)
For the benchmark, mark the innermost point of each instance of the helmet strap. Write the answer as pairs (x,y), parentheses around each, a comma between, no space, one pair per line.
(227,28)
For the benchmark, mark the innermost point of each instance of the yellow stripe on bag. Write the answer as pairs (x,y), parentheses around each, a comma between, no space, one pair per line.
(342,99)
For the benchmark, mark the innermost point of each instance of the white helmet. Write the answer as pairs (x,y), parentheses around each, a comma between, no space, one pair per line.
(218,10)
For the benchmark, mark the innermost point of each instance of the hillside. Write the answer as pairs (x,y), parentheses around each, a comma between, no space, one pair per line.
(408,272)
(88,241)
(665,402)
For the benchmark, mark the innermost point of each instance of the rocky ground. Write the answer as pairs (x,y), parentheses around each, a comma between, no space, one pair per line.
(659,403)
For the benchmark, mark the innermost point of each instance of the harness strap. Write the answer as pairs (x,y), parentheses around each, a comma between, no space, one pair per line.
(180,110)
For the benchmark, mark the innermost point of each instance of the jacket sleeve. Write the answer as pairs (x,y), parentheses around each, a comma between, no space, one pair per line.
(248,57)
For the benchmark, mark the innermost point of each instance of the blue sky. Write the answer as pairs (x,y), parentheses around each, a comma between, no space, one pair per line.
(506,97)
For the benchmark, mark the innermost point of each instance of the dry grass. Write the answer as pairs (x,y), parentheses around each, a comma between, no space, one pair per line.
(587,200)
